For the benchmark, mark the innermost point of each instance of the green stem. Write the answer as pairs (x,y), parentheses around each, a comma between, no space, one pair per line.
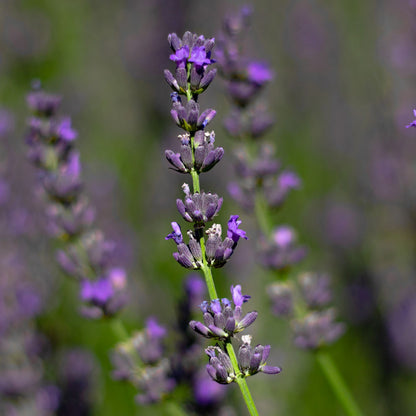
(174,409)
(241,381)
(262,214)
(210,281)
(337,384)
(119,330)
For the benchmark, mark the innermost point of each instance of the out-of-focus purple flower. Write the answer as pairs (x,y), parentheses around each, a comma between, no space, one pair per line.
(233,231)
(281,296)
(97,291)
(195,287)
(65,131)
(43,103)
(284,236)
(315,289)
(281,251)
(413,123)
(401,326)
(259,73)
(153,329)
(206,391)
(289,180)
(75,382)
(317,329)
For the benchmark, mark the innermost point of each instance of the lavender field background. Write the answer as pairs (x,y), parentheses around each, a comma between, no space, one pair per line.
(342,94)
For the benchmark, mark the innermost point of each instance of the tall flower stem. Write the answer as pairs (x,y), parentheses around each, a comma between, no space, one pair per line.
(240,380)
(337,384)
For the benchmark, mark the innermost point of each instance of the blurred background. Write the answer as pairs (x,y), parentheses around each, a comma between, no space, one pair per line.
(342,95)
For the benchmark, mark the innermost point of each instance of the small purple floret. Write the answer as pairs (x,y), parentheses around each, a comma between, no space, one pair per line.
(176,235)
(97,291)
(65,131)
(233,231)
(259,73)
(180,57)
(200,57)
(238,298)
(155,330)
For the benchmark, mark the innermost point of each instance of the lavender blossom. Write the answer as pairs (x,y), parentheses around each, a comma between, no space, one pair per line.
(198,208)
(86,255)
(192,55)
(281,252)
(251,361)
(281,296)
(221,319)
(140,360)
(317,329)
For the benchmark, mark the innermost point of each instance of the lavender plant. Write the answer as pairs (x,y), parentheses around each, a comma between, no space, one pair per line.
(262,190)
(223,318)
(86,254)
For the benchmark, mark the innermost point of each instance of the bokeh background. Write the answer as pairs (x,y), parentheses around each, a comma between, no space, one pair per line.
(343,92)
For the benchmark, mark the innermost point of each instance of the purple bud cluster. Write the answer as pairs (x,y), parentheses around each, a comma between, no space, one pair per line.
(250,362)
(140,361)
(192,55)
(221,319)
(86,256)
(218,251)
(282,250)
(317,327)
(259,173)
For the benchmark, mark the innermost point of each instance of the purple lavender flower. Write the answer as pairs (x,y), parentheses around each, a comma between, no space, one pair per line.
(206,155)
(221,320)
(87,255)
(259,73)
(317,329)
(413,123)
(97,291)
(219,368)
(198,207)
(252,360)
(233,231)
(315,289)
(281,252)
(281,296)
(176,234)
(206,391)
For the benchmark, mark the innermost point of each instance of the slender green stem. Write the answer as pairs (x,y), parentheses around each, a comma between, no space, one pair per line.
(337,384)
(119,329)
(262,214)
(174,409)
(241,381)
(206,269)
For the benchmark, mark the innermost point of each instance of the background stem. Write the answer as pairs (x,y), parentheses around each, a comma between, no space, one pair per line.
(337,384)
